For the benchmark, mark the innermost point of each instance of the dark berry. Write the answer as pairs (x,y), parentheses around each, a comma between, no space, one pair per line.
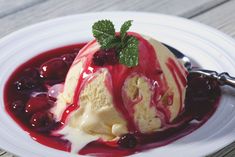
(69,58)
(111,57)
(57,125)
(54,69)
(127,141)
(17,107)
(201,94)
(103,57)
(99,58)
(36,104)
(201,88)
(29,80)
(42,121)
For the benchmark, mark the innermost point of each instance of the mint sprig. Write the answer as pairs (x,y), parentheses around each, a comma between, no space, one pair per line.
(125,45)
(129,54)
(125,27)
(104,32)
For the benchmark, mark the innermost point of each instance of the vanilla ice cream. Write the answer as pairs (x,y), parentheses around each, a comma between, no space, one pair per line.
(108,101)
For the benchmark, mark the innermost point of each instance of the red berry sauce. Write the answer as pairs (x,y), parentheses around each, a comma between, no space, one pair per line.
(27,101)
(26,95)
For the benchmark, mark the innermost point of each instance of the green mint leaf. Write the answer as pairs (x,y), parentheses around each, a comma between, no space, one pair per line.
(129,54)
(104,32)
(124,28)
(126,46)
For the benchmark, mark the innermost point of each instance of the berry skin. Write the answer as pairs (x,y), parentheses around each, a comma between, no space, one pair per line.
(29,80)
(69,58)
(127,141)
(103,57)
(111,57)
(35,104)
(54,69)
(99,58)
(202,92)
(42,121)
(17,107)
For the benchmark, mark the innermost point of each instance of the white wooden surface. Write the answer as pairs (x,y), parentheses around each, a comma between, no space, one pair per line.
(222,18)
(16,14)
(49,9)
(8,7)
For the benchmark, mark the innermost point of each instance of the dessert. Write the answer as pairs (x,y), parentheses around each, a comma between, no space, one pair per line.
(121,92)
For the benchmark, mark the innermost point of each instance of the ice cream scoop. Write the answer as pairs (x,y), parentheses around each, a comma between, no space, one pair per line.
(104,102)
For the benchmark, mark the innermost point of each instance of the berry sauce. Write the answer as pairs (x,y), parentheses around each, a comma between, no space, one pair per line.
(28,101)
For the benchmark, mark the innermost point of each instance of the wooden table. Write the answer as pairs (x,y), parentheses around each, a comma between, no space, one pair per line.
(16,14)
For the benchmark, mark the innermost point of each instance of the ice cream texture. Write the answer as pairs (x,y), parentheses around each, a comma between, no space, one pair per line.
(106,102)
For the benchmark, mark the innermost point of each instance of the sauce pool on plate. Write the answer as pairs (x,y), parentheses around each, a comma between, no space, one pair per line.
(28,101)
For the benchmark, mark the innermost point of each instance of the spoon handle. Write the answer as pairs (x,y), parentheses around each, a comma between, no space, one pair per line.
(223,78)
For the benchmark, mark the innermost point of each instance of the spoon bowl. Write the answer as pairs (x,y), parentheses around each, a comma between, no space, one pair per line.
(223,78)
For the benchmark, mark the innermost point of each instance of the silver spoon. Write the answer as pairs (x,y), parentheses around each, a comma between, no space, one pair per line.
(222,78)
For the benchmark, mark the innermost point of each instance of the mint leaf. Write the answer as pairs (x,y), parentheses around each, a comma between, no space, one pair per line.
(129,54)
(125,46)
(125,27)
(104,32)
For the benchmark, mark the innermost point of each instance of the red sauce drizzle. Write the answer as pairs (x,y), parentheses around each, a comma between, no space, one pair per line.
(119,73)
(178,71)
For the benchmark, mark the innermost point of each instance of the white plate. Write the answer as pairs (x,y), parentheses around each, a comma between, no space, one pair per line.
(209,47)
